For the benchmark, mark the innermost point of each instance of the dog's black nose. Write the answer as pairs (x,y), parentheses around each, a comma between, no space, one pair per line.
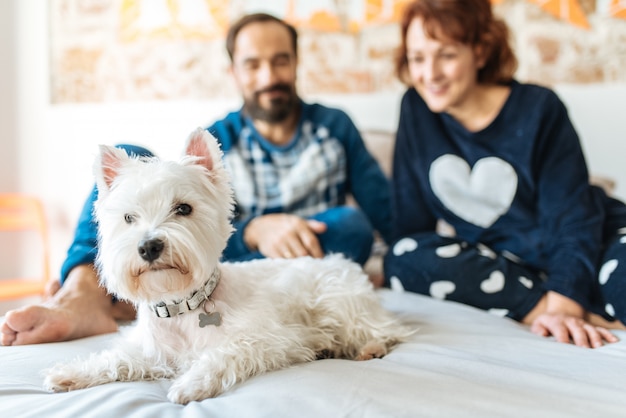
(150,249)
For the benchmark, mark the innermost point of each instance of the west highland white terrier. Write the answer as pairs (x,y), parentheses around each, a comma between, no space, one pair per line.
(209,325)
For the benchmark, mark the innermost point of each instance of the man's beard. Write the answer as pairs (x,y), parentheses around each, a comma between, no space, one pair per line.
(280,108)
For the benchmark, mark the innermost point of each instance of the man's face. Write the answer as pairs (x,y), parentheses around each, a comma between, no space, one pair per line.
(264,67)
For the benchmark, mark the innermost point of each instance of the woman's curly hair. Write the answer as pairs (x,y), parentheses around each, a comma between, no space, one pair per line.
(470,22)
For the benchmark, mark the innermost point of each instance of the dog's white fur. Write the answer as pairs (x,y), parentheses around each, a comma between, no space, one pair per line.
(275,313)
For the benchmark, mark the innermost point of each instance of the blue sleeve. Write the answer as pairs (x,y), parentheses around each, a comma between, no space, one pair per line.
(366,181)
(236,246)
(84,247)
(410,211)
(571,211)
(226,131)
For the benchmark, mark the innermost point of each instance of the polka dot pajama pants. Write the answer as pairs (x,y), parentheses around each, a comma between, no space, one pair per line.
(447,268)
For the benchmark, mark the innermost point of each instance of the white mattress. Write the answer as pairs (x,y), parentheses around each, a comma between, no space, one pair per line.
(462,363)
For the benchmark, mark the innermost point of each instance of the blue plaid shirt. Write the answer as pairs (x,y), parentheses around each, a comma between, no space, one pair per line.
(324,162)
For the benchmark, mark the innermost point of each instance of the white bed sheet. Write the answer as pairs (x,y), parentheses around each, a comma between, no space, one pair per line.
(462,363)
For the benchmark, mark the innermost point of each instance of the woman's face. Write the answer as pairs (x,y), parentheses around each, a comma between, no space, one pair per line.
(443,72)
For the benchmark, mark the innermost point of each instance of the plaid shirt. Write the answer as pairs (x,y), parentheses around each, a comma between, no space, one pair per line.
(315,171)
(304,177)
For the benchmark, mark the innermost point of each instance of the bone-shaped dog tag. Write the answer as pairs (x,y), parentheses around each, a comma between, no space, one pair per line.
(214,318)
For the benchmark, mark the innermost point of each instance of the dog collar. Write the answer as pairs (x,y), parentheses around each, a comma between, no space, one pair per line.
(198,297)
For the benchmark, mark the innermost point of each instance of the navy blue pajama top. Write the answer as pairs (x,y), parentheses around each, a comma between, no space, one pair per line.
(520,185)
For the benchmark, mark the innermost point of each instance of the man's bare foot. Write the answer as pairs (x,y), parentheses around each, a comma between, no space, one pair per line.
(80,308)
(52,287)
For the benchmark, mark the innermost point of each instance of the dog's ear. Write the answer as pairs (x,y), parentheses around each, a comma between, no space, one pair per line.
(203,145)
(107,166)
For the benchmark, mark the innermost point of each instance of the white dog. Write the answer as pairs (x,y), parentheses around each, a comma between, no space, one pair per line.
(209,325)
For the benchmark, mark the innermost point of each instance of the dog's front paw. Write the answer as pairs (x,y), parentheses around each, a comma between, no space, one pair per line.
(194,387)
(63,378)
(80,374)
(372,350)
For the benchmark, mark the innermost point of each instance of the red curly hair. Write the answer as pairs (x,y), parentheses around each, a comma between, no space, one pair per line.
(470,22)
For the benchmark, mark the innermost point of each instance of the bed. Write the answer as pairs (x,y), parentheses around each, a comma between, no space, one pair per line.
(462,362)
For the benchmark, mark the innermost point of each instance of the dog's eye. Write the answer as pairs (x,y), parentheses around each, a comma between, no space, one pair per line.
(183,209)
(129,218)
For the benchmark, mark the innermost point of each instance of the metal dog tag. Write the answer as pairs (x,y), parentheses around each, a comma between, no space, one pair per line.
(214,318)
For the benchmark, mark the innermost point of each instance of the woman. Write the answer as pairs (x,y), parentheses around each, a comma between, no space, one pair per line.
(492,202)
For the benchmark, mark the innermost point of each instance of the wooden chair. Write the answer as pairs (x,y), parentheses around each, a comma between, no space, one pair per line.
(20,212)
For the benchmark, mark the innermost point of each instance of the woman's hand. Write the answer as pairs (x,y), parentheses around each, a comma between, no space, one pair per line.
(564,320)
(566,328)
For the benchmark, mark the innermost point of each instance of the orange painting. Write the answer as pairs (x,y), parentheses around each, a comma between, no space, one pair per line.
(568,10)
(333,17)
(172,19)
(618,9)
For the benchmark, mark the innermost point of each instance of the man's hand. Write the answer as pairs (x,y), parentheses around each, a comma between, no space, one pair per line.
(564,320)
(284,236)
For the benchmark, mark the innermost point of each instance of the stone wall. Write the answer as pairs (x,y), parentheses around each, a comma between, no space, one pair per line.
(133,50)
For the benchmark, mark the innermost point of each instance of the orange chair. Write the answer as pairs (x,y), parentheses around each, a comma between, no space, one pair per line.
(24,213)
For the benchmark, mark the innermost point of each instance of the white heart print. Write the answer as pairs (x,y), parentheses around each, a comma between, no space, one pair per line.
(501,312)
(608,308)
(526,282)
(494,283)
(396,284)
(405,245)
(479,195)
(448,251)
(441,289)
(607,269)
(485,251)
